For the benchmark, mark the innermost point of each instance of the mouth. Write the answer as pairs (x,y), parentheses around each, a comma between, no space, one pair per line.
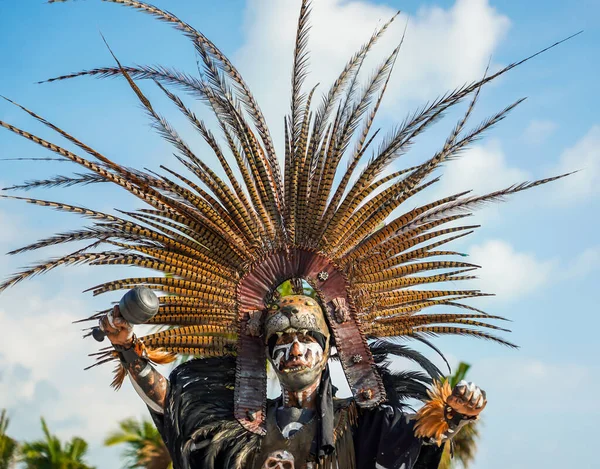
(294,366)
(296,369)
(286,362)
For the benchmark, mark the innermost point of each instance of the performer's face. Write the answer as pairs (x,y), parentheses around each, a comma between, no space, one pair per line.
(298,360)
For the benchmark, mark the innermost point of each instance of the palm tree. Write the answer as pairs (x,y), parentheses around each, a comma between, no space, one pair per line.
(145,447)
(465,442)
(50,453)
(8,446)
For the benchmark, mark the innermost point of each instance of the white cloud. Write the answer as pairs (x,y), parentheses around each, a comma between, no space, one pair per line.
(482,168)
(584,264)
(443,48)
(47,326)
(538,131)
(447,48)
(584,157)
(530,375)
(43,358)
(508,273)
(528,398)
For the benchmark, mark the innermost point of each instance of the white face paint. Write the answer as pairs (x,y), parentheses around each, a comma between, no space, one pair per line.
(311,353)
(298,359)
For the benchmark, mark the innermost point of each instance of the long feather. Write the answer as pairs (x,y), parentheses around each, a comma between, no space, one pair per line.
(299,73)
(52,264)
(240,202)
(58,181)
(329,101)
(395,252)
(206,232)
(222,63)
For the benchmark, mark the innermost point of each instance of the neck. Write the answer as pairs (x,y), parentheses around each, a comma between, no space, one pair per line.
(306,398)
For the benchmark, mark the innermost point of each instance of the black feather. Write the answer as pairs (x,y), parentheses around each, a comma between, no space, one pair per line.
(199,407)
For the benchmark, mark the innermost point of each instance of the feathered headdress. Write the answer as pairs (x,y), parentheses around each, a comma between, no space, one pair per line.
(228,244)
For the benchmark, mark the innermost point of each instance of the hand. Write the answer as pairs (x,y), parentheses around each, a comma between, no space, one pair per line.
(467,399)
(117,329)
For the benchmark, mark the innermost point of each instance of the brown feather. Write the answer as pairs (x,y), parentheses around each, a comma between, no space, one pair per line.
(119,376)
(156,282)
(409,269)
(388,258)
(431,423)
(209,270)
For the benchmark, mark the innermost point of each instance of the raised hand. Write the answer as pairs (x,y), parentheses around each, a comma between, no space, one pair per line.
(117,329)
(467,399)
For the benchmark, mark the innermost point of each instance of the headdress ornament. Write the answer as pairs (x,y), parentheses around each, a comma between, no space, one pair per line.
(228,243)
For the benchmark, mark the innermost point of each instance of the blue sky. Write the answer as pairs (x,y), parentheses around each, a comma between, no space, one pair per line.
(539,250)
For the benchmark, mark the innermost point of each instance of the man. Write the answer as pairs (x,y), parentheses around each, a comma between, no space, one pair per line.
(227,241)
(306,427)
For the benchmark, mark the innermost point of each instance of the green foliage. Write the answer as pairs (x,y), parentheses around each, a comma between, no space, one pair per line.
(465,442)
(8,446)
(144,446)
(459,374)
(286,289)
(50,453)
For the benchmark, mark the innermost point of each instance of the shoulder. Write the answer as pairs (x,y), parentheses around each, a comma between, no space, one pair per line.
(213,369)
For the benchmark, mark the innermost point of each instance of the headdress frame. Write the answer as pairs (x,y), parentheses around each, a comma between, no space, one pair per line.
(333,290)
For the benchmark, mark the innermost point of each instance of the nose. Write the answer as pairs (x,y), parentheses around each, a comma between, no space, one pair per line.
(296,350)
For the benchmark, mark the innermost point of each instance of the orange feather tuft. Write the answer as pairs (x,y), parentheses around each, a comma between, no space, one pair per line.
(431,423)
(160,356)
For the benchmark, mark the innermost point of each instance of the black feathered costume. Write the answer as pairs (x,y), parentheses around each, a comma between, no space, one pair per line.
(200,431)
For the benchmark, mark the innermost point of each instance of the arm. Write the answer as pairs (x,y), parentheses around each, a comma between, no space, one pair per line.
(449,410)
(150,385)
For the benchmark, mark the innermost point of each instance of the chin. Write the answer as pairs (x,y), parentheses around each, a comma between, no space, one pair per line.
(300,379)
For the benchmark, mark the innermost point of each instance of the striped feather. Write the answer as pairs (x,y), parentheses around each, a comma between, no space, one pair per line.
(448,318)
(405,282)
(206,232)
(178,261)
(82,179)
(416,306)
(177,286)
(408,269)
(374,212)
(71,259)
(207,48)
(388,257)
